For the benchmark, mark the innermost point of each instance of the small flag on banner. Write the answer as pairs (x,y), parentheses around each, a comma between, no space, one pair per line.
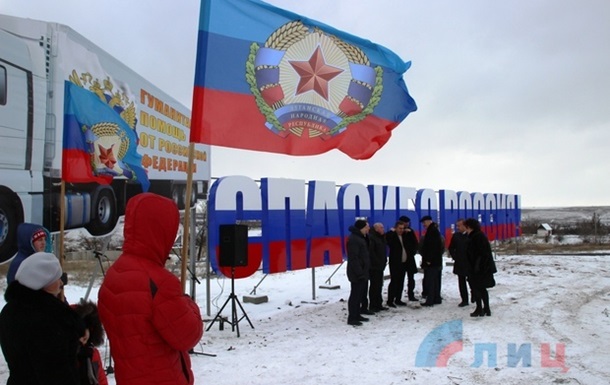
(98,144)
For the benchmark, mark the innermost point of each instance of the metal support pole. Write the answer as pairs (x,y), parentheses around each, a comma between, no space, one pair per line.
(98,266)
(334,272)
(253,292)
(313,283)
(208,296)
(93,277)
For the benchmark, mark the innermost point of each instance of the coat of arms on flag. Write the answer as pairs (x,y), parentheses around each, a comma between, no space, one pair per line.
(326,83)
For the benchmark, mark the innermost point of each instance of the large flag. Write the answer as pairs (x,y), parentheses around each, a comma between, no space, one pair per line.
(98,143)
(270,80)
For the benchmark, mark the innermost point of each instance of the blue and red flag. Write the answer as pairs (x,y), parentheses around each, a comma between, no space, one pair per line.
(98,144)
(270,80)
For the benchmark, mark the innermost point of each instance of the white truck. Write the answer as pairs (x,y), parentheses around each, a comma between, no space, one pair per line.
(36,60)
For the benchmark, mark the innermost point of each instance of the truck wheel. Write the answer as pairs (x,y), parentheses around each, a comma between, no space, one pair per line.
(8,229)
(104,212)
(193,199)
(178,196)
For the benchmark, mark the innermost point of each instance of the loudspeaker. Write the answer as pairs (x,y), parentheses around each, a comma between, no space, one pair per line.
(233,245)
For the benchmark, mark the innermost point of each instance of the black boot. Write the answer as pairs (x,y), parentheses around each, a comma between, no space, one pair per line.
(485,297)
(478,312)
(354,322)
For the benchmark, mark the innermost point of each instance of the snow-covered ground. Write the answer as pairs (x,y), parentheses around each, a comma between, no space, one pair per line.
(549,325)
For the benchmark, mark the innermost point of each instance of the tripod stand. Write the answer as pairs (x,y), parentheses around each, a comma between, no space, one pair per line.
(100,266)
(233,298)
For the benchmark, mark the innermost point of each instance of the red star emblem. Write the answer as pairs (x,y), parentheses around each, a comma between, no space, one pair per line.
(106,156)
(315,74)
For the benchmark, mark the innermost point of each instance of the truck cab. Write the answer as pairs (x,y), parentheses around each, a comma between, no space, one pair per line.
(37,60)
(22,137)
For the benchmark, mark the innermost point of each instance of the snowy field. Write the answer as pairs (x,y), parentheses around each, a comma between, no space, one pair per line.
(566,215)
(549,325)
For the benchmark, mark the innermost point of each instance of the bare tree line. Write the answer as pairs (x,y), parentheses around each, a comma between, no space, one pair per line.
(592,226)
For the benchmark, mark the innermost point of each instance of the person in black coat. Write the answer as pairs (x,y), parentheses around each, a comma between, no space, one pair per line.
(457,249)
(358,264)
(378,253)
(402,244)
(431,251)
(482,267)
(89,361)
(39,333)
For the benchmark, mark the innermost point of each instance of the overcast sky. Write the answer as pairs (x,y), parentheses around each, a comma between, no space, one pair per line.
(513,97)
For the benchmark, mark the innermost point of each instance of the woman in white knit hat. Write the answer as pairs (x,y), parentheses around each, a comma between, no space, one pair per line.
(39,333)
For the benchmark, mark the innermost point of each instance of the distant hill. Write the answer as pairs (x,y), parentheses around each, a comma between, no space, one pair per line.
(566,215)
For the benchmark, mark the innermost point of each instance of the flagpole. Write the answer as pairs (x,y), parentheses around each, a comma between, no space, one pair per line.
(62,215)
(187,216)
(204,10)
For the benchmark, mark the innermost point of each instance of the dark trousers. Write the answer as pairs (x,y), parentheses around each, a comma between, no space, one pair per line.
(375,288)
(463,288)
(423,285)
(364,302)
(358,291)
(397,282)
(411,286)
(432,278)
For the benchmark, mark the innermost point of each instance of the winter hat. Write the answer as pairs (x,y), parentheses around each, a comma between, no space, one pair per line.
(404,219)
(360,224)
(87,311)
(40,233)
(38,270)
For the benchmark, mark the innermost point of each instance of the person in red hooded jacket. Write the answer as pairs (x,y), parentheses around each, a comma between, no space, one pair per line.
(150,323)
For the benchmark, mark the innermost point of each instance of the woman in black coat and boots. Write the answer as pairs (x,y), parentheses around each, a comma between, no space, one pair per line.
(39,333)
(482,267)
